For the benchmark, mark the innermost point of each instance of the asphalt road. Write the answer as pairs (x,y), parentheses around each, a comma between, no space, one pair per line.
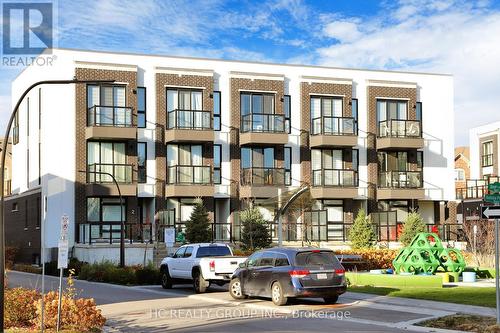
(152,309)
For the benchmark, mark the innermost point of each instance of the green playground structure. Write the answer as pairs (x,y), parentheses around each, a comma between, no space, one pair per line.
(426,255)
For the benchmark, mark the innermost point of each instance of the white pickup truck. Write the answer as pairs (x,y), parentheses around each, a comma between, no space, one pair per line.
(200,264)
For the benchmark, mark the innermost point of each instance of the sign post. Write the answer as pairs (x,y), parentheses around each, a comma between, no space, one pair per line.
(494,212)
(62,262)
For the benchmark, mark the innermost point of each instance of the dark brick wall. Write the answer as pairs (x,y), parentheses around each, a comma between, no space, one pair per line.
(27,238)
(371,150)
(130,78)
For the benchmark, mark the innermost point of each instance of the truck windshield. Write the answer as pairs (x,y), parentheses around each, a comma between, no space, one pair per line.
(315,258)
(213,251)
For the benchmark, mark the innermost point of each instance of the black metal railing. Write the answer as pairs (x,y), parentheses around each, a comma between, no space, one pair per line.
(475,188)
(400,128)
(122,173)
(487,160)
(262,176)
(400,179)
(263,122)
(328,125)
(113,116)
(335,177)
(109,233)
(189,174)
(190,119)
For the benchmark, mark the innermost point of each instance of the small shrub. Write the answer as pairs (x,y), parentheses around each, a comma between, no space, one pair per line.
(76,314)
(255,233)
(242,253)
(27,268)
(147,275)
(110,273)
(198,226)
(361,234)
(413,225)
(20,307)
(10,256)
(372,258)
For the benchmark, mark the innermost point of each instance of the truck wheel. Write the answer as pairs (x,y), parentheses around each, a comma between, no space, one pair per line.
(277,294)
(166,280)
(199,283)
(331,300)
(235,289)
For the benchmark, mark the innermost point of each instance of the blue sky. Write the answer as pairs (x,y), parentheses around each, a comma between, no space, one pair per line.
(445,36)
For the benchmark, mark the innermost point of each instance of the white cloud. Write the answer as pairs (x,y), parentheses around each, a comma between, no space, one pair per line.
(342,30)
(444,37)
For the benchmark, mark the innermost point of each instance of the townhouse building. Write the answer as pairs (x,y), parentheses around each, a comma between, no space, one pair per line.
(484,152)
(174,129)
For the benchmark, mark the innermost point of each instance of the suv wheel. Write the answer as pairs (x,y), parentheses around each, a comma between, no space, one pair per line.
(166,280)
(199,283)
(235,289)
(331,300)
(277,294)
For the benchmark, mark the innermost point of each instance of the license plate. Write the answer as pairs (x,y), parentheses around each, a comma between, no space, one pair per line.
(322,276)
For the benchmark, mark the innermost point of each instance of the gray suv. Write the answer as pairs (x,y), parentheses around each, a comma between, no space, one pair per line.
(281,273)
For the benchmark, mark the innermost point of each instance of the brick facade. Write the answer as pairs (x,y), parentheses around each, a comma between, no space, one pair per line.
(129,79)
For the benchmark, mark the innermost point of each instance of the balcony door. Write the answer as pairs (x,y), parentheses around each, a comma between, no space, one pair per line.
(393,167)
(107,157)
(391,117)
(258,165)
(326,166)
(106,105)
(185,164)
(185,109)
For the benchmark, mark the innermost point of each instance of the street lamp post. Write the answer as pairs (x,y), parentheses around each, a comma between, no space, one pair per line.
(2,182)
(122,222)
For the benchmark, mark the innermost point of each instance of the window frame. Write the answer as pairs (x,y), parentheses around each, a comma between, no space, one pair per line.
(287,102)
(218,180)
(144,167)
(288,180)
(457,172)
(100,219)
(486,157)
(217,115)
(144,112)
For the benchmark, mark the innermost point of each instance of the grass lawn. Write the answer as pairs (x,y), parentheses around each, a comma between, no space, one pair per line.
(463,322)
(459,295)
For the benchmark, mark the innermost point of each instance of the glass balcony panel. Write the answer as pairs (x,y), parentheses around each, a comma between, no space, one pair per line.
(413,128)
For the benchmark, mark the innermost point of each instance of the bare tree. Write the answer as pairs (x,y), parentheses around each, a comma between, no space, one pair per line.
(484,249)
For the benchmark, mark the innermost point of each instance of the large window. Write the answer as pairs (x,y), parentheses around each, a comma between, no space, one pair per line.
(327,118)
(108,158)
(288,166)
(487,156)
(217,110)
(328,168)
(459,175)
(141,107)
(185,165)
(105,210)
(395,172)
(287,107)
(185,109)
(107,106)
(392,119)
(259,167)
(258,113)
(141,162)
(217,164)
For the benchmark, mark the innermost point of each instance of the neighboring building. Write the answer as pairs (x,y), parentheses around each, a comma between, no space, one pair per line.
(484,167)
(171,129)
(8,168)
(462,167)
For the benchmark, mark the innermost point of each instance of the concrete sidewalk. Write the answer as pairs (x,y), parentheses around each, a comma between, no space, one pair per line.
(422,304)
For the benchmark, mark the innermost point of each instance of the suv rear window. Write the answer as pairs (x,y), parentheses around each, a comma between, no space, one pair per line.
(213,251)
(315,258)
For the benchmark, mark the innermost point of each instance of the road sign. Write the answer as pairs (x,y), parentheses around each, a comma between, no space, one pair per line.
(492,198)
(494,187)
(169,237)
(64,226)
(490,212)
(62,256)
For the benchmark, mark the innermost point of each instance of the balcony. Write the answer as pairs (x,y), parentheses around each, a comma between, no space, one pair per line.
(99,184)
(334,184)
(475,189)
(400,185)
(260,182)
(189,181)
(110,122)
(263,128)
(333,131)
(189,125)
(399,133)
